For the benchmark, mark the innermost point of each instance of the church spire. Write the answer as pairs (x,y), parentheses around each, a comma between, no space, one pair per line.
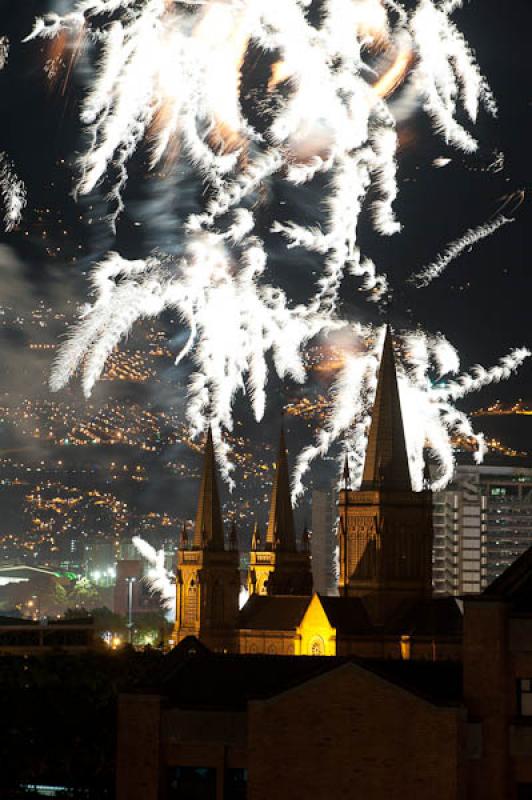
(281,532)
(208,527)
(184,537)
(386,463)
(255,537)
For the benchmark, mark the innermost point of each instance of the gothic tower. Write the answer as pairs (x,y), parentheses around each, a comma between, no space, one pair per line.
(208,580)
(385,528)
(276,566)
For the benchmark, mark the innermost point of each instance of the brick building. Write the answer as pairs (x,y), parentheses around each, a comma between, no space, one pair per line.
(498,683)
(229,727)
(219,726)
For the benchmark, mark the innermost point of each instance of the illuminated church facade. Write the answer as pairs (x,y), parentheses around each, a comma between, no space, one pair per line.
(384,607)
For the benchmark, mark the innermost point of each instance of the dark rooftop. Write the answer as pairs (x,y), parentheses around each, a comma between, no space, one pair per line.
(514,585)
(436,616)
(84,621)
(279,612)
(193,677)
(347,614)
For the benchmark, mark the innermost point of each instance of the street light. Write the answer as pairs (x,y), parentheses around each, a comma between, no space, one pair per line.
(130,582)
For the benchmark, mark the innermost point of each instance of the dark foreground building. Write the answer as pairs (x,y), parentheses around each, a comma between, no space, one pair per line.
(228,726)
(259,726)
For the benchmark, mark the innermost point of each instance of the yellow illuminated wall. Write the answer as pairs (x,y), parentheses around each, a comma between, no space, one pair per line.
(316,636)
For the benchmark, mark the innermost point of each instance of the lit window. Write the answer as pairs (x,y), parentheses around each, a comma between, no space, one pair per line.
(524,697)
(317,647)
(498,491)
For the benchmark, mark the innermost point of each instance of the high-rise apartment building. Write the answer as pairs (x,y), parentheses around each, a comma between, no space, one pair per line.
(324,541)
(482,524)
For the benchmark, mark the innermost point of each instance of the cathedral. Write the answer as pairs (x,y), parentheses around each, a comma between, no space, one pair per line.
(384,607)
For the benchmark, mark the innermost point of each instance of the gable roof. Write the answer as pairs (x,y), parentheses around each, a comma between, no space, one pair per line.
(348,615)
(433,617)
(197,678)
(273,613)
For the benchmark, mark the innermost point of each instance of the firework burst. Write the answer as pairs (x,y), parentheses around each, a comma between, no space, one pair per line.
(171,75)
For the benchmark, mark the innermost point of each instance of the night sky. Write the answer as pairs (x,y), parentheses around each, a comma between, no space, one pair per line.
(481,303)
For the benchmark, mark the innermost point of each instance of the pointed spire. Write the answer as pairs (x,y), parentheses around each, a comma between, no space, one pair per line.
(184,537)
(208,527)
(281,532)
(346,473)
(386,464)
(255,537)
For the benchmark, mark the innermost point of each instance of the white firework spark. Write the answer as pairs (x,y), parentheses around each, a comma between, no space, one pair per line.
(446,72)
(170,74)
(427,274)
(176,75)
(158,577)
(13,193)
(427,401)
(12,188)
(4,51)
(234,324)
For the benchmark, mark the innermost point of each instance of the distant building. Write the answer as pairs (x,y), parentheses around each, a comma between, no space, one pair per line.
(482,524)
(100,560)
(26,637)
(73,552)
(323,543)
(30,590)
(127,551)
(128,589)
(132,589)
(459,559)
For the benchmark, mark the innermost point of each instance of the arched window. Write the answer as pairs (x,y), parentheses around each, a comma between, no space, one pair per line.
(317,646)
(191,603)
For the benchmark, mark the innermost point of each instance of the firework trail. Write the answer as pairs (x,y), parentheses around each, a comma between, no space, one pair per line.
(429,416)
(159,579)
(4,51)
(12,188)
(13,193)
(427,274)
(170,75)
